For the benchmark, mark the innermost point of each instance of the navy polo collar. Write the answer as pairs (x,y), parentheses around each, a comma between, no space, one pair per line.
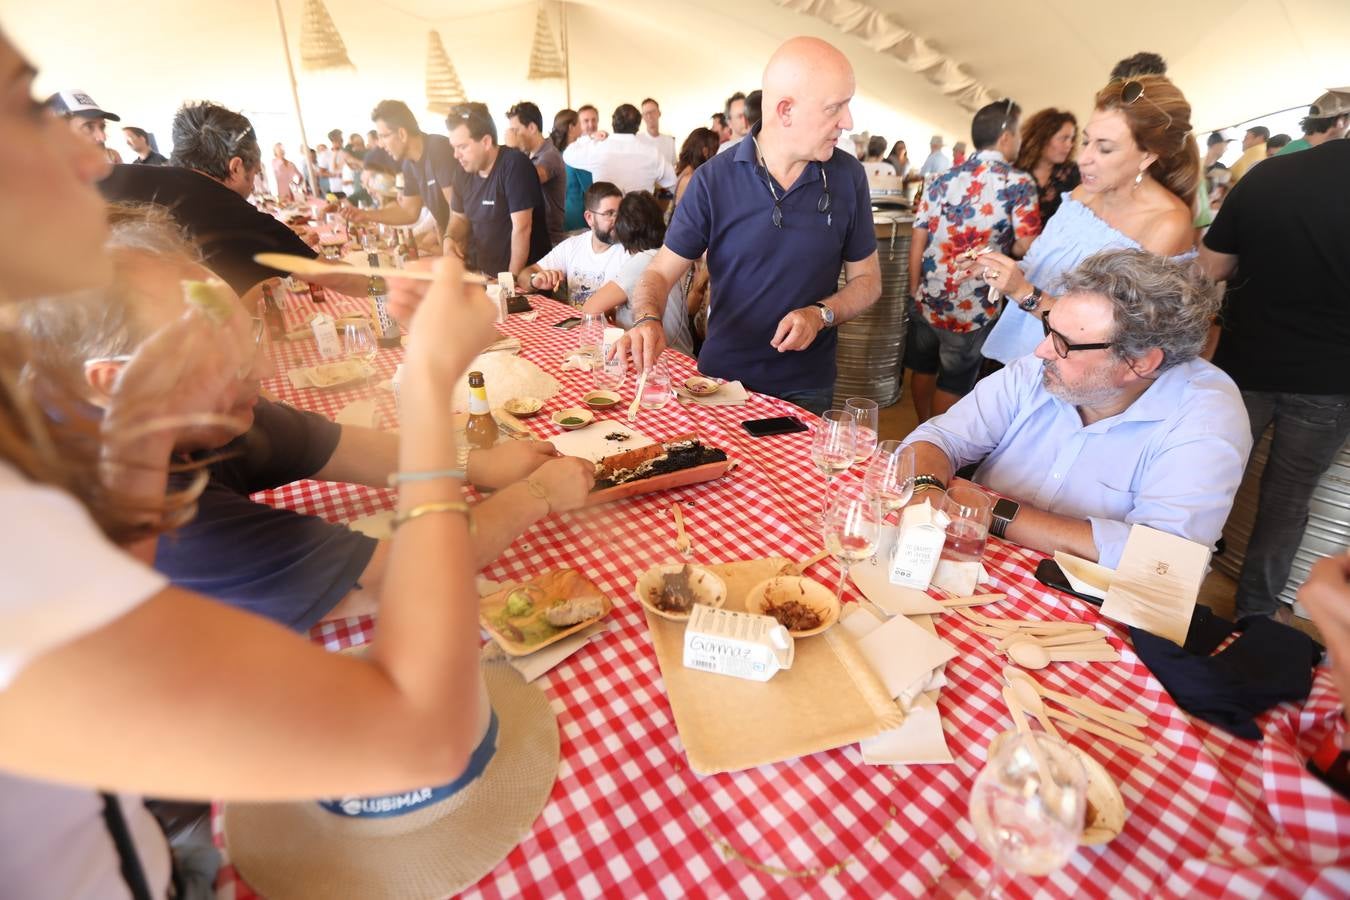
(744,152)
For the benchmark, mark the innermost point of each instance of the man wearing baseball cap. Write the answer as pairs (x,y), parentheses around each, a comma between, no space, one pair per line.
(86,118)
(1327,119)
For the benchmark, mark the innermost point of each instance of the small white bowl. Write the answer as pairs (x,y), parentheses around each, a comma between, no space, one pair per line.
(585,416)
(795,587)
(711,590)
(523,407)
(701,386)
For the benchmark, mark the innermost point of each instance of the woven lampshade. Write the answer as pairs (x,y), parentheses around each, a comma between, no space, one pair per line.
(321,47)
(444,89)
(545,60)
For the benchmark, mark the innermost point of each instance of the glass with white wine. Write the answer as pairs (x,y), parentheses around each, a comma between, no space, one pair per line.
(833,444)
(852,528)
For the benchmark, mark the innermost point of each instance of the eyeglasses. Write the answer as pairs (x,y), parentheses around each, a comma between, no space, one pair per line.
(1061,343)
(603,215)
(822,205)
(1132,90)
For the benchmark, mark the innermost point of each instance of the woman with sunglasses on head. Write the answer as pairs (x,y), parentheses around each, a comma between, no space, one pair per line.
(1140,165)
(110,677)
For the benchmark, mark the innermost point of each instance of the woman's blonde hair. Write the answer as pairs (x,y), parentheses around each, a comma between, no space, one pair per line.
(1160,120)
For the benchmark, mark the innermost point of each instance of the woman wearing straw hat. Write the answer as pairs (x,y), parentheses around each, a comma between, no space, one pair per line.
(109,677)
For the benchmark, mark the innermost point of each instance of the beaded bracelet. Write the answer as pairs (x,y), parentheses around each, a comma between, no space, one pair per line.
(646,318)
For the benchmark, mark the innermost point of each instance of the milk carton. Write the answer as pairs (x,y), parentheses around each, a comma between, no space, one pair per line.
(923,530)
(325,334)
(738,644)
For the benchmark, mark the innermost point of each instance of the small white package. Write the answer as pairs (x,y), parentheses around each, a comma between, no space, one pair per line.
(325,334)
(923,531)
(739,644)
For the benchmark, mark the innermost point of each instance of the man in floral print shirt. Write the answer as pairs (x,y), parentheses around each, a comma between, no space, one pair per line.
(982,203)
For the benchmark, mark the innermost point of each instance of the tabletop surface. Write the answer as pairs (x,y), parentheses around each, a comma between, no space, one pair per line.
(1208,815)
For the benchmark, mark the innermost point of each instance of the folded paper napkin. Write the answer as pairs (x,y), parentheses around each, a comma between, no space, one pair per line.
(548,658)
(578,361)
(331,374)
(360,413)
(733,393)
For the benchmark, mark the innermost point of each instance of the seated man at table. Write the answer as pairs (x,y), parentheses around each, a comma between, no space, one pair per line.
(1115,420)
(206,188)
(295,569)
(584,261)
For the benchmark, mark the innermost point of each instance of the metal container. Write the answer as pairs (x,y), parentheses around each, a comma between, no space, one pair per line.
(872,345)
(1328,530)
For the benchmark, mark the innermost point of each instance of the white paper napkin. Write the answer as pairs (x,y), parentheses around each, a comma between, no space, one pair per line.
(1157,582)
(919,740)
(902,653)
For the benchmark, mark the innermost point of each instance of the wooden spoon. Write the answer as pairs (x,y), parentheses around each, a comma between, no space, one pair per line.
(637,397)
(1031,702)
(1019,717)
(1070,638)
(1089,708)
(681,536)
(303,265)
(1100,731)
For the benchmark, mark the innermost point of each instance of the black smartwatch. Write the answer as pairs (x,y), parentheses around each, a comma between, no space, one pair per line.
(1005,511)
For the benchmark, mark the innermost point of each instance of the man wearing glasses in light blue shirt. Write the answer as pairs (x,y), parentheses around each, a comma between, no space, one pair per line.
(1113,421)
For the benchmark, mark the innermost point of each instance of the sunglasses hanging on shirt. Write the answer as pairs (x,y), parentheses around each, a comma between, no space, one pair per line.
(822,205)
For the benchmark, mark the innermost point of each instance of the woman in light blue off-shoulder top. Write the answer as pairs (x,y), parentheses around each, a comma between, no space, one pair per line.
(1140,166)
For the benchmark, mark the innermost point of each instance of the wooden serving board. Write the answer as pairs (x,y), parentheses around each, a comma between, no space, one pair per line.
(664,482)
(563,584)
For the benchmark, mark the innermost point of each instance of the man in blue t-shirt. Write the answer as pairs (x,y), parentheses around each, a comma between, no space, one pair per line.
(777,216)
(431,175)
(500,221)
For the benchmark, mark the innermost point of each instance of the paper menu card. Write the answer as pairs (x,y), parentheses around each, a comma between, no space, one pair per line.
(828,699)
(1157,582)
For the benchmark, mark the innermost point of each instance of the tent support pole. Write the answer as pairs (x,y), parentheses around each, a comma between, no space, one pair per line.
(295,96)
(567,57)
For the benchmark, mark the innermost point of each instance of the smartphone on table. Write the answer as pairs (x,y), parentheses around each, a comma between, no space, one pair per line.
(776,425)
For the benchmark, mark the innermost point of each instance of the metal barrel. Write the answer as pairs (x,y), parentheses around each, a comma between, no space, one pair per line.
(872,345)
(1328,530)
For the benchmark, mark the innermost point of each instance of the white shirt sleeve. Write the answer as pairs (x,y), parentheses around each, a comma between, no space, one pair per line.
(666,175)
(62,578)
(580,154)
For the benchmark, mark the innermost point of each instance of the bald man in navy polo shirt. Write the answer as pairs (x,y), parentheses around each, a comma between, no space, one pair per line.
(778,215)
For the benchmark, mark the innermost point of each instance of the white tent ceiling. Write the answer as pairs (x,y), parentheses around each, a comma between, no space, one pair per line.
(1235,60)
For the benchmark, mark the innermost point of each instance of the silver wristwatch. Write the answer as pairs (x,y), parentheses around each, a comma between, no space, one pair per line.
(826,315)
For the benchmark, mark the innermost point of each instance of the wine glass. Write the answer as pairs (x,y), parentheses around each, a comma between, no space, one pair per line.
(1027,825)
(833,444)
(590,336)
(358,341)
(865,413)
(890,475)
(852,528)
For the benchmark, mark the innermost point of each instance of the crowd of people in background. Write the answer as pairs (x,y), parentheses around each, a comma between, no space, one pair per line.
(1062,301)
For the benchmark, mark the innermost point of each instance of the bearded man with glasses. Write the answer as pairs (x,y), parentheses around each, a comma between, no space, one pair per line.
(1113,421)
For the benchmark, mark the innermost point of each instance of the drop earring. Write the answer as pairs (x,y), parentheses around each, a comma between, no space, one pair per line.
(1139,179)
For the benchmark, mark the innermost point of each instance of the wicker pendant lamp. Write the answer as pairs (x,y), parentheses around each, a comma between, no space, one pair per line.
(545,60)
(444,89)
(321,47)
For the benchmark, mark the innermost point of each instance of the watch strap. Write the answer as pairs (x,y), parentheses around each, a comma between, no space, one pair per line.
(826,315)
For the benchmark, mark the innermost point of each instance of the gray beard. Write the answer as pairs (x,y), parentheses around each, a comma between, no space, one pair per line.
(1093,393)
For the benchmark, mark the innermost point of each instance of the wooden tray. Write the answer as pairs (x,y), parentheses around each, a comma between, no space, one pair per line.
(562,584)
(682,478)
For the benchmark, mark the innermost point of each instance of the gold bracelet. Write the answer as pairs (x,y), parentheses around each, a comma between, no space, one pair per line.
(441,506)
(538,490)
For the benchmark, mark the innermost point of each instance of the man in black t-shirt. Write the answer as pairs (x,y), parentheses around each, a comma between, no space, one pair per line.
(205,189)
(431,175)
(1281,240)
(500,223)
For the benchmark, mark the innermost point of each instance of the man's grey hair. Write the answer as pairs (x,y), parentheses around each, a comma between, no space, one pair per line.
(67,331)
(1156,302)
(206,136)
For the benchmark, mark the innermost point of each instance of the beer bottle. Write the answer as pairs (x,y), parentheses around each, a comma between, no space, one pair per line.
(410,243)
(481,429)
(387,333)
(272,317)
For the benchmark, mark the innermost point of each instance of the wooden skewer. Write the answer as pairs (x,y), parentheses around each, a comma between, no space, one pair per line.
(303,265)
(681,537)
(977,600)
(813,559)
(637,397)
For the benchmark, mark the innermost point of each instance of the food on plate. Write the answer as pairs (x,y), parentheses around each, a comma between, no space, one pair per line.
(578,609)
(659,459)
(601,399)
(518,603)
(523,406)
(700,386)
(793,614)
(617,437)
(676,593)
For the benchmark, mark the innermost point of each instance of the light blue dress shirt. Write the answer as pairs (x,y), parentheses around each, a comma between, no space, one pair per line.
(1173,460)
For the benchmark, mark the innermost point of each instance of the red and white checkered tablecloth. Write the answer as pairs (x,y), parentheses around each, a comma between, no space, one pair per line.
(1209,815)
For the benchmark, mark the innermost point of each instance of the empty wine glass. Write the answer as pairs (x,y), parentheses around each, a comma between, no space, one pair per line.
(590,336)
(852,528)
(890,475)
(865,413)
(833,444)
(358,341)
(1027,825)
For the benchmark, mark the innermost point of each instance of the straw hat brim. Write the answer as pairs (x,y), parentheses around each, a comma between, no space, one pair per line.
(285,850)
